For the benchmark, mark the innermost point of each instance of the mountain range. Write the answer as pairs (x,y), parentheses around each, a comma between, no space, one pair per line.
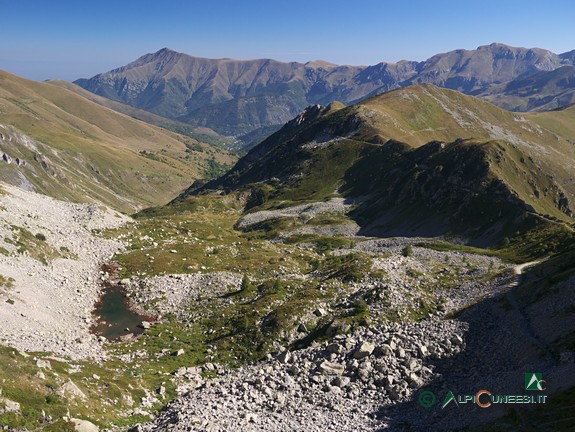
(249,99)
(362,255)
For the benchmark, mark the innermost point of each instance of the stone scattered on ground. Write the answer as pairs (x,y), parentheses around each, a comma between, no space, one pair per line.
(50,307)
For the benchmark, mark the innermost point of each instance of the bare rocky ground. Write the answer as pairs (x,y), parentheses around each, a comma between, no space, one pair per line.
(369,379)
(303,212)
(49,306)
(337,386)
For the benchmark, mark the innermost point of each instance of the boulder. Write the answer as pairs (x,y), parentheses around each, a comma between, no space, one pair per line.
(284,357)
(411,364)
(127,337)
(319,312)
(364,350)
(328,368)
(71,391)
(383,351)
(84,425)
(456,340)
(7,405)
(415,380)
(334,348)
(340,381)
(423,351)
(44,364)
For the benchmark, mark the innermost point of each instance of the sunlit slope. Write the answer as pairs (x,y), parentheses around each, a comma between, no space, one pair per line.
(69,147)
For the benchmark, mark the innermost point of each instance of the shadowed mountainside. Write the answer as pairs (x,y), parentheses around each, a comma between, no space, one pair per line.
(416,161)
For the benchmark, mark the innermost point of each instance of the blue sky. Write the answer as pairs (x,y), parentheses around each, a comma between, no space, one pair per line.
(42,39)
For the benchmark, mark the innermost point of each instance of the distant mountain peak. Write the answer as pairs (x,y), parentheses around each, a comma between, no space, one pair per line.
(165,50)
(320,64)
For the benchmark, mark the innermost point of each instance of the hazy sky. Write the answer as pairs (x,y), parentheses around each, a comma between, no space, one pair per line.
(42,39)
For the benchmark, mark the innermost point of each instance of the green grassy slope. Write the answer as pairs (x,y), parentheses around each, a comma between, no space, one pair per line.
(74,149)
(561,121)
(425,160)
(198,133)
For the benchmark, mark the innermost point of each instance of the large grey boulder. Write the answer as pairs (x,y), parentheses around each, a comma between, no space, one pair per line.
(329,368)
(84,425)
(364,350)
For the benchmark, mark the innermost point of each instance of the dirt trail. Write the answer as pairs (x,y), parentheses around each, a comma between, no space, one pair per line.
(525,326)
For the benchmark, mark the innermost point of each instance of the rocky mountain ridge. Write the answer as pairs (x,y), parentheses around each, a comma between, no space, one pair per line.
(420,160)
(236,97)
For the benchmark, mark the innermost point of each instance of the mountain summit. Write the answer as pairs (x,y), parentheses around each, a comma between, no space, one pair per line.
(237,97)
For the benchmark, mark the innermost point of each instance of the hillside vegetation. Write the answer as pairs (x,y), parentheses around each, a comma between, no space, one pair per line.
(355,258)
(416,161)
(60,144)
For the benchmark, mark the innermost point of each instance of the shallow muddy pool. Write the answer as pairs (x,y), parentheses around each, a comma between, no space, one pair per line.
(115,317)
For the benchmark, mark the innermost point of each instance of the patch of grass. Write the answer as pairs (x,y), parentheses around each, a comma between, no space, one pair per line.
(533,242)
(6,282)
(407,251)
(205,240)
(104,404)
(328,219)
(66,253)
(150,155)
(322,244)
(34,245)
(271,228)
(443,246)
(347,268)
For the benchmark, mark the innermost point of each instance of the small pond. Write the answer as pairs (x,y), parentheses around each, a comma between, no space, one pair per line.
(115,317)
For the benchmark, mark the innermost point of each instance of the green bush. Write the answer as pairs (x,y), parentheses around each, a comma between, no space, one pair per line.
(360,308)
(407,251)
(246,285)
(40,237)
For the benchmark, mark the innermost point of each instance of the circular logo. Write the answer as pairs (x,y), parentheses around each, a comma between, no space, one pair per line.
(427,399)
